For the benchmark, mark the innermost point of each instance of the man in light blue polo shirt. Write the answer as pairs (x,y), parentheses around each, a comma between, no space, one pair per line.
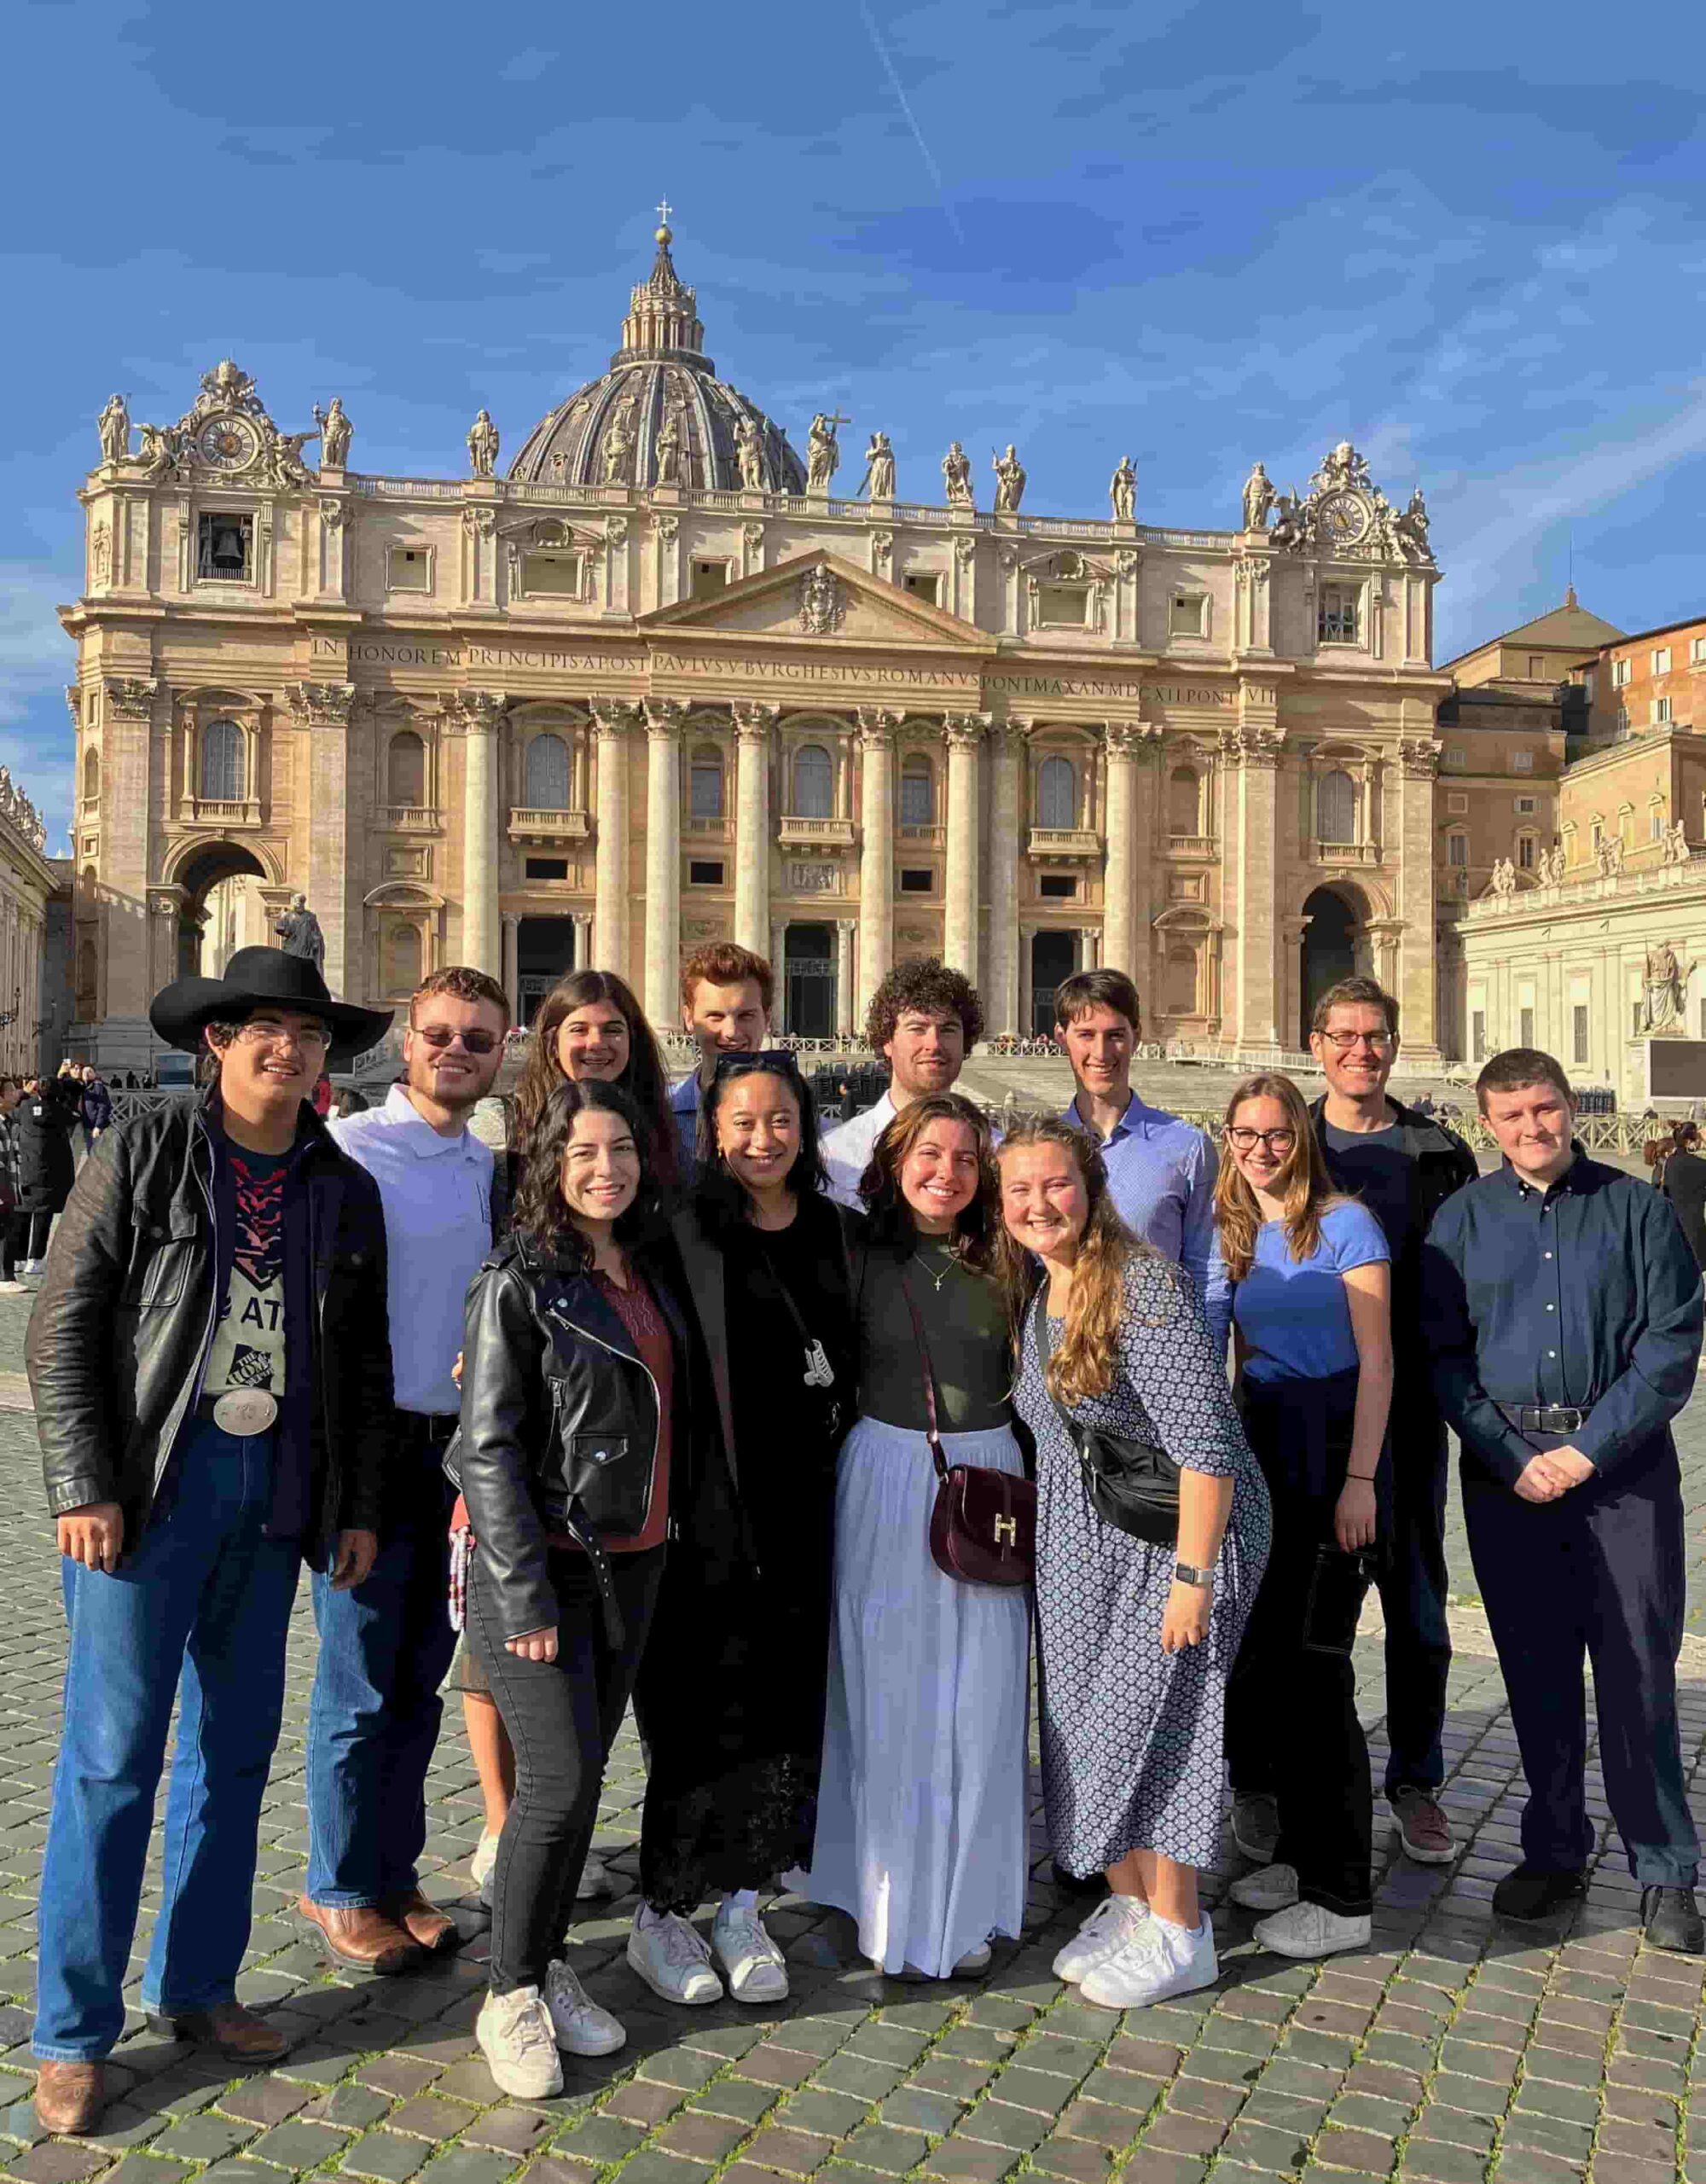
(1161,1171)
(385,1647)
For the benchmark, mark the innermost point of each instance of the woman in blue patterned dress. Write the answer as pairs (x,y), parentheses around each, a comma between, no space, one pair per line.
(1135,1641)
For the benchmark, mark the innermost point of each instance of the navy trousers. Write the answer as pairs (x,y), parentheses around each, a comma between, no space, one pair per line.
(1597,1574)
(1412,1585)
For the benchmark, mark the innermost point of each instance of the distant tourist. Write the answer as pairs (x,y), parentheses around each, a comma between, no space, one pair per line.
(1684,1184)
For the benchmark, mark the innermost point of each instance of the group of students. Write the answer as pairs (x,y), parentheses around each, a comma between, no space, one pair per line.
(683,1402)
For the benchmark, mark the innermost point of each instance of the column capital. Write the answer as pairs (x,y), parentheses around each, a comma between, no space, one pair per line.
(1125,739)
(481,710)
(612,718)
(318,704)
(753,722)
(511,917)
(664,718)
(878,728)
(964,731)
(1419,757)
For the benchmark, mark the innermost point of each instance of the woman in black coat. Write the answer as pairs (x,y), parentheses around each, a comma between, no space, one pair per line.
(43,1121)
(1683,1181)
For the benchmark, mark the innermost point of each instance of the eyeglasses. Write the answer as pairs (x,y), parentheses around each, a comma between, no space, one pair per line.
(773,1061)
(259,1032)
(1276,1140)
(439,1035)
(1377,1043)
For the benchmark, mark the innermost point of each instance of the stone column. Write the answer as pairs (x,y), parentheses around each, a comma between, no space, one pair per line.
(482,936)
(512,962)
(966,732)
(752,726)
(611,721)
(779,969)
(1027,933)
(323,709)
(581,922)
(1251,758)
(1000,996)
(664,718)
(1418,969)
(844,930)
(877,849)
(1119,929)
(1089,944)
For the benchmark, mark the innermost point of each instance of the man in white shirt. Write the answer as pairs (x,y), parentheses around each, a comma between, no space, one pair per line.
(726,996)
(385,1647)
(924,1020)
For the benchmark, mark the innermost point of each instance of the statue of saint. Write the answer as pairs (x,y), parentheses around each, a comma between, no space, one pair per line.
(879,468)
(335,431)
(669,449)
(1122,489)
(1288,523)
(1009,482)
(483,444)
(1666,992)
(749,455)
(281,461)
(822,451)
(956,471)
(299,934)
(114,425)
(1258,498)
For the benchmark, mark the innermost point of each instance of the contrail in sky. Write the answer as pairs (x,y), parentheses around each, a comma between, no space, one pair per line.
(905,104)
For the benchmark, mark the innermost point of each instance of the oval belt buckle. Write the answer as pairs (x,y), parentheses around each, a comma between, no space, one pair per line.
(244,1411)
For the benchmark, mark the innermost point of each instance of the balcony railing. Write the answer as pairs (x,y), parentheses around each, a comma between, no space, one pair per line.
(1192,845)
(1064,841)
(797,833)
(1345,852)
(409,818)
(222,811)
(922,837)
(696,827)
(529,822)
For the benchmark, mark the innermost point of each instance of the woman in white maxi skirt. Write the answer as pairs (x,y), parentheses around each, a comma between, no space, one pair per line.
(921,1810)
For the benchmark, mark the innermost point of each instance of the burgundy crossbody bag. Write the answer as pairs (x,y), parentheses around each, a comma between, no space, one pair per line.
(982,1526)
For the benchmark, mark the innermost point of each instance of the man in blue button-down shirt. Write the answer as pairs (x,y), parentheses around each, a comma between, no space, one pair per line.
(1564,1308)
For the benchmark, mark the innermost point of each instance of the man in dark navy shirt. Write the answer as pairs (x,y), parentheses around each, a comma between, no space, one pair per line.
(1564,1308)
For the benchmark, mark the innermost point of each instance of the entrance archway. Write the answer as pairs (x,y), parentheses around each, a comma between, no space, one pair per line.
(199,874)
(544,950)
(1053,958)
(808,958)
(1330,946)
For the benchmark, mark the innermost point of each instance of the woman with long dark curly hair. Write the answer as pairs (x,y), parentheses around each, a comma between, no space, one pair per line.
(921,1823)
(590,1028)
(575,1414)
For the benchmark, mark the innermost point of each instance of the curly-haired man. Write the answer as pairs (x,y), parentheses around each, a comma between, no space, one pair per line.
(924,1020)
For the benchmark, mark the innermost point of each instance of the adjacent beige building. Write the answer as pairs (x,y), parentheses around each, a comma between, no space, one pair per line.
(28,879)
(662,683)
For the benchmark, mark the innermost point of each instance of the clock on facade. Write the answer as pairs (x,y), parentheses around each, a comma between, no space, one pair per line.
(1342,518)
(228,443)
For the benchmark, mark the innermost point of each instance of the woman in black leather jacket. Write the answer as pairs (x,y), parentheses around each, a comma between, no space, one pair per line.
(574,1410)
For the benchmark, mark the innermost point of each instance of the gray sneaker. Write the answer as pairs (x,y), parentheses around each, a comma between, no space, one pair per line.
(1255,1825)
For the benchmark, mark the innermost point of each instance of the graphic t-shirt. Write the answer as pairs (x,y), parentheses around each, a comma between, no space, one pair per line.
(248,1341)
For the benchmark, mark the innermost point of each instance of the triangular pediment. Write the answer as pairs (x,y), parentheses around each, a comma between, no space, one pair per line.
(819,598)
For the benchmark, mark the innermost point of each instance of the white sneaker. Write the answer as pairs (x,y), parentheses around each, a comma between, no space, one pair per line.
(670,1956)
(1311,1930)
(757,1972)
(595,1881)
(1161,1960)
(517,2039)
(582,2026)
(975,1962)
(1271,1888)
(13,1289)
(1115,1922)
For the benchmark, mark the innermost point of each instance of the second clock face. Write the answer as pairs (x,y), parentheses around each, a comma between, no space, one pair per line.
(228,443)
(1343,517)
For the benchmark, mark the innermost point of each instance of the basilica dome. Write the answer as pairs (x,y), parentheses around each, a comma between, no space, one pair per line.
(661,415)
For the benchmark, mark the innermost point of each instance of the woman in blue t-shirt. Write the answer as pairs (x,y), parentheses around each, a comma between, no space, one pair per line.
(1312,1314)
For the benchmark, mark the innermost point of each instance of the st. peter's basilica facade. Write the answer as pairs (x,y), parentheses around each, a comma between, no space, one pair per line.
(659,682)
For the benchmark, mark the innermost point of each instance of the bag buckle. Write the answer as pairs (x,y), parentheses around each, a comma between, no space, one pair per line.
(1006,1528)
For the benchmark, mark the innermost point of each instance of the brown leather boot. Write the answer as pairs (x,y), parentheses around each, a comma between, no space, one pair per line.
(424,1922)
(70,2096)
(364,1939)
(230,2030)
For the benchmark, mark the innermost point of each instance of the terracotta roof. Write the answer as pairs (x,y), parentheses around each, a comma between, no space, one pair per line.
(1567,628)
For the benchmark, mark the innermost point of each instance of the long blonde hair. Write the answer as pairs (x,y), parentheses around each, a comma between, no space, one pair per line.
(1303,1185)
(1083,1362)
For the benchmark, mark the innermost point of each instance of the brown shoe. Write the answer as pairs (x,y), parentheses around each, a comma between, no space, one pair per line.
(363,1938)
(424,1922)
(230,2030)
(70,2096)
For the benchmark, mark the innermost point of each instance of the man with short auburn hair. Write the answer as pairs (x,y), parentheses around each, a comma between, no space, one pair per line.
(924,1020)
(727,994)
(1161,1170)
(1562,1308)
(385,1647)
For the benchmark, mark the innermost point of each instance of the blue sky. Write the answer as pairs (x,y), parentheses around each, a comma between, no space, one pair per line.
(1471,238)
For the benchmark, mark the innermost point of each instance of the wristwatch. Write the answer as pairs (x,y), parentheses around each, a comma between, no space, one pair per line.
(1184,1574)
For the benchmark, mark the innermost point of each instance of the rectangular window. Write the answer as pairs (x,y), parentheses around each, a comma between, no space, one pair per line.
(1337,618)
(1525,1027)
(1456,801)
(1637,1012)
(1457,852)
(1187,614)
(1522,762)
(705,872)
(1536,667)
(1696,651)
(408,568)
(706,790)
(1661,713)
(1620,673)
(1062,606)
(1525,852)
(1661,659)
(1587,681)
(1456,756)
(709,578)
(1656,823)
(917,798)
(916,880)
(551,576)
(1622,720)
(1578,1035)
(1525,806)
(547,867)
(1478,1035)
(925,587)
(225,546)
(1058,886)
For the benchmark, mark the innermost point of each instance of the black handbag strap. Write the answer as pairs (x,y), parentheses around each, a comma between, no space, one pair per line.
(931,1434)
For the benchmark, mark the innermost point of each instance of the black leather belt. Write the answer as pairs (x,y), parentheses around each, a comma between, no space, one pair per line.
(1542,1417)
(438,1426)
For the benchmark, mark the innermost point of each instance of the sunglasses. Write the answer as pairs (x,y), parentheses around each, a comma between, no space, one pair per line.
(439,1035)
(773,1061)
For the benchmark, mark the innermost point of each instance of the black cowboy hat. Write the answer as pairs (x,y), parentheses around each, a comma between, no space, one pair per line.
(263,977)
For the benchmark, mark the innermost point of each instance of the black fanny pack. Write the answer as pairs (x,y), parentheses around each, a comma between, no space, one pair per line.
(1131,1484)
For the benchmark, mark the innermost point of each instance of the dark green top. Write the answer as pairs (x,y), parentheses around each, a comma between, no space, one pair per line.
(964,1331)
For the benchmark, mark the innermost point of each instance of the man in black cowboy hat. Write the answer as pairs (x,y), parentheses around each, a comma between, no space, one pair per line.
(211,1372)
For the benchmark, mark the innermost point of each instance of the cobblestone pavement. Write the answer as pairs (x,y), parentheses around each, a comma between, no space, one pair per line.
(1451,2050)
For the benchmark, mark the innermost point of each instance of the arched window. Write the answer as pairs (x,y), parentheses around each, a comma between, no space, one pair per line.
(1057,793)
(705,782)
(814,783)
(917,792)
(221,761)
(91,775)
(548,774)
(405,770)
(1184,802)
(1336,807)
(402,959)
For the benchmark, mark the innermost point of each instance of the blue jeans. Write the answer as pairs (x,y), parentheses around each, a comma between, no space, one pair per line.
(201,1610)
(374,1719)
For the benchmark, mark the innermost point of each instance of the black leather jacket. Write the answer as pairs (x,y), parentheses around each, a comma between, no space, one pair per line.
(552,1388)
(122,1327)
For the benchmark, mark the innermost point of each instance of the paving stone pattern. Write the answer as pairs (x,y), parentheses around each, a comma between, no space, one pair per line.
(1450,2051)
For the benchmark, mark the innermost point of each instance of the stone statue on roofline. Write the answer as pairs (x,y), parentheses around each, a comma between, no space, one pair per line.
(956,472)
(1009,481)
(483,444)
(1122,489)
(1258,498)
(335,433)
(879,468)
(114,425)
